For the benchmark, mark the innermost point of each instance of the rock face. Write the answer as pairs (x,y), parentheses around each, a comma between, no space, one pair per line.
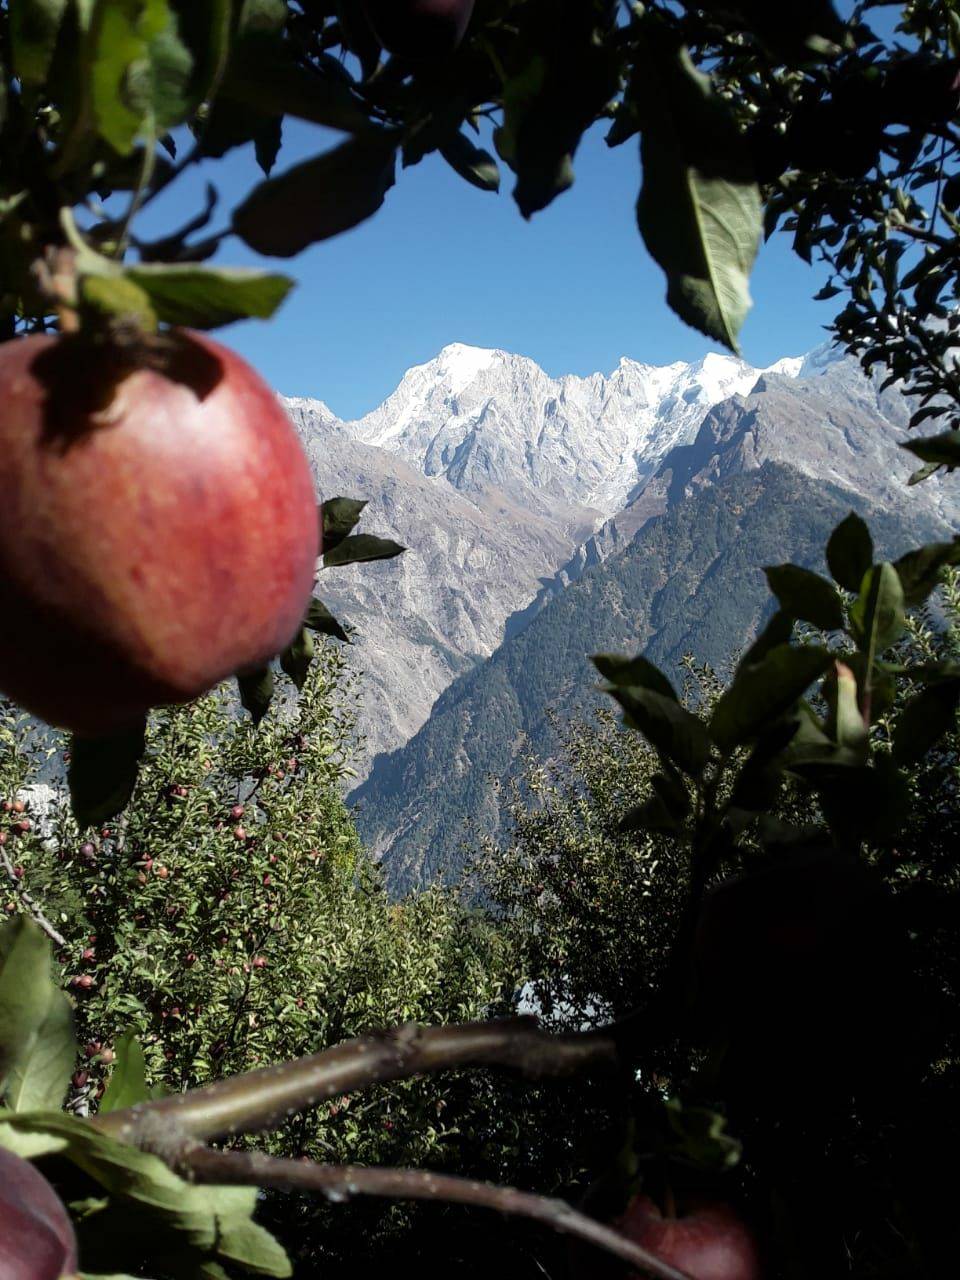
(496,476)
(764,477)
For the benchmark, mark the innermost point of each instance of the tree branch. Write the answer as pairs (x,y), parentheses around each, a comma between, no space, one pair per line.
(262,1099)
(341,1182)
(27,899)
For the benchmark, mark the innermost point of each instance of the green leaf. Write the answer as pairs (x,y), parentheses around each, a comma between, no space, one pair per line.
(206,297)
(140,73)
(296,658)
(698,1136)
(34,28)
(115,295)
(128,1081)
(268,84)
(319,198)
(850,552)
(319,618)
(630,672)
(923,473)
(927,717)
(699,208)
(762,691)
(37,1045)
(337,517)
(103,773)
(942,450)
(359,548)
(471,162)
(210,1222)
(877,614)
(806,596)
(670,728)
(920,571)
(256,691)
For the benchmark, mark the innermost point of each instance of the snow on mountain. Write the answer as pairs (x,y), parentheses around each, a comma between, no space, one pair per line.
(483,418)
(505,483)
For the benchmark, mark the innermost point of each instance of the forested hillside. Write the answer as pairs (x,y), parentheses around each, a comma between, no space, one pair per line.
(690,583)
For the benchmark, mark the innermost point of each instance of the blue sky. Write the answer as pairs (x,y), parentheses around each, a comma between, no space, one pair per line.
(443,262)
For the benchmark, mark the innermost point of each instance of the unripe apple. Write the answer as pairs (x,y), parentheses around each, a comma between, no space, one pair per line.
(107,1056)
(158,529)
(419,28)
(37,1241)
(708,1243)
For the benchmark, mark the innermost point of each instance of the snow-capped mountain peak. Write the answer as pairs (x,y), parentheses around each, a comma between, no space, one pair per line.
(484,419)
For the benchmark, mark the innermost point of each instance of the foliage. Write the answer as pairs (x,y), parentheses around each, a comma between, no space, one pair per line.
(202,941)
(803,999)
(688,582)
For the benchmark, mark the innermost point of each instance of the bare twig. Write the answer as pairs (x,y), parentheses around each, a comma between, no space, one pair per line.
(263,1099)
(29,903)
(342,1182)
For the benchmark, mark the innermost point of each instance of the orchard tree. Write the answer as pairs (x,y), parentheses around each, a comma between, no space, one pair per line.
(159,533)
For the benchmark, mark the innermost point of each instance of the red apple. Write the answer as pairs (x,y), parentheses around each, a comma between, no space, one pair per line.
(36,1236)
(707,1243)
(158,528)
(419,28)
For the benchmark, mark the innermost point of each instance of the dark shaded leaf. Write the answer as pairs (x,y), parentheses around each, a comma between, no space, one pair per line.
(920,571)
(940,450)
(806,596)
(671,729)
(628,672)
(337,517)
(37,1045)
(763,691)
(360,548)
(256,691)
(778,630)
(850,552)
(319,618)
(927,717)
(319,198)
(34,28)
(562,77)
(103,774)
(296,658)
(473,163)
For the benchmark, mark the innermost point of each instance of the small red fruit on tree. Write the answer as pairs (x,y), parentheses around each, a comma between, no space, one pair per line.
(37,1241)
(18,806)
(707,1243)
(140,495)
(236,812)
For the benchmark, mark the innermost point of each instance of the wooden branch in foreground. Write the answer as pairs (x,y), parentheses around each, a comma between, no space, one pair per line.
(339,1183)
(263,1099)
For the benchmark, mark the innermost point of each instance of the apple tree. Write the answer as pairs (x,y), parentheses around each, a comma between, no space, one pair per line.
(148,472)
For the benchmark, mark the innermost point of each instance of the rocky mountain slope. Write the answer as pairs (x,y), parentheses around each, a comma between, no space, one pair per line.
(764,478)
(493,474)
